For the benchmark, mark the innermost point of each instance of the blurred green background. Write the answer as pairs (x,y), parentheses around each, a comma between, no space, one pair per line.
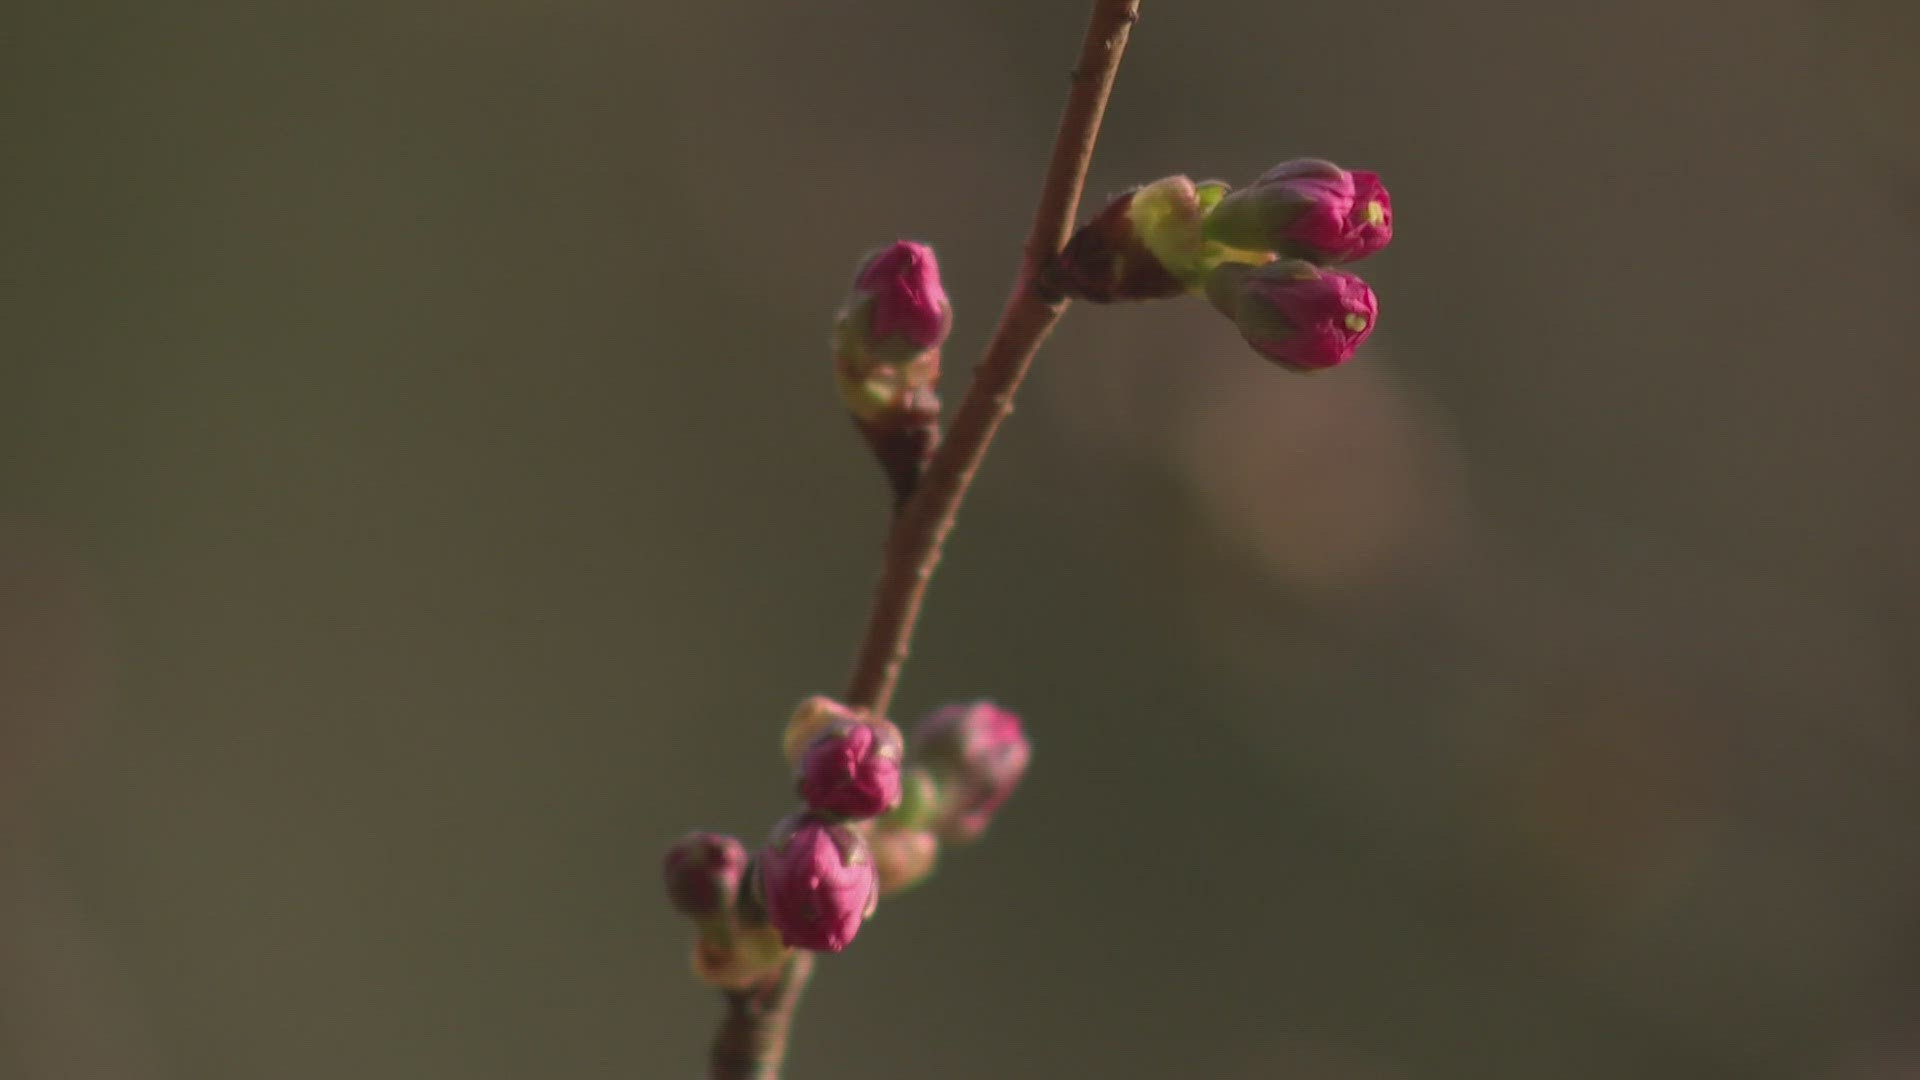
(422,498)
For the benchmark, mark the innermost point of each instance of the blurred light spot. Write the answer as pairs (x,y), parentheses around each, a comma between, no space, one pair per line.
(1326,481)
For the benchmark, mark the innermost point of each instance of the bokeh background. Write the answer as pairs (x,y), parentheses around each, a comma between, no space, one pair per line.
(422,498)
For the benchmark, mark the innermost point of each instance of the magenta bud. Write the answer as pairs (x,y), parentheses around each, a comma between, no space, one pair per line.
(703,872)
(1307,209)
(978,753)
(898,311)
(1300,316)
(817,881)
(853,771)
(909,312)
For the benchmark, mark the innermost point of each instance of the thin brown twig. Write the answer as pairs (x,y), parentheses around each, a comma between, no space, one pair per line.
(751,1044)
(920,530)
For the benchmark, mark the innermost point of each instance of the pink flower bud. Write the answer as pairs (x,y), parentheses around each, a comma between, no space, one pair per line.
(703,872)
(978,753)
(898,310)
(904,858)
(909,303)
(1294,313)
(818,882)
(853,770)
(1307,209)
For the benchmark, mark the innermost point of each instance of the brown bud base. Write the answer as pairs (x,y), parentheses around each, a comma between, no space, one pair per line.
(903,438)
(752,1041)
(1106,262)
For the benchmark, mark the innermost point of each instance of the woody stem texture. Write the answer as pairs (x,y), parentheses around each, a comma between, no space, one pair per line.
(751,1044)
(921,527)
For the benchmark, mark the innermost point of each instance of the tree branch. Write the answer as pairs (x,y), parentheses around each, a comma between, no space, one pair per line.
(920,530)
(751,1044)
(752,1041)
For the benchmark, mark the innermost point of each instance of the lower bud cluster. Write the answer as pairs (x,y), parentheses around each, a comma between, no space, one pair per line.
(872,822)
(1265,255)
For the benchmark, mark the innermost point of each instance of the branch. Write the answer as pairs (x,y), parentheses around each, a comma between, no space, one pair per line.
(920,530)
(752,1041)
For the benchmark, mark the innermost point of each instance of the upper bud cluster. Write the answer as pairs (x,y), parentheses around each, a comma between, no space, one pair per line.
(1303,217)
(1260,253)
(1146,244)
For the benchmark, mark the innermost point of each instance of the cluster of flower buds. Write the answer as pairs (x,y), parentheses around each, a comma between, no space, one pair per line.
(1264,255)
(886,357)
(870,824)
(817,876)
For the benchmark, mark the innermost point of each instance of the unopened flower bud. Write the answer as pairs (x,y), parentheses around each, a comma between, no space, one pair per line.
(1307,209)
(811,719)
(703,872)
(903,857)
(898,309)
(853,770)
(1146,244)
(886,354)
(818,882)
(1300,316)
(978,753)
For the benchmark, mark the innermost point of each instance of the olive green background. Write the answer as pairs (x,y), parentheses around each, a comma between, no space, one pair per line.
(422,498)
